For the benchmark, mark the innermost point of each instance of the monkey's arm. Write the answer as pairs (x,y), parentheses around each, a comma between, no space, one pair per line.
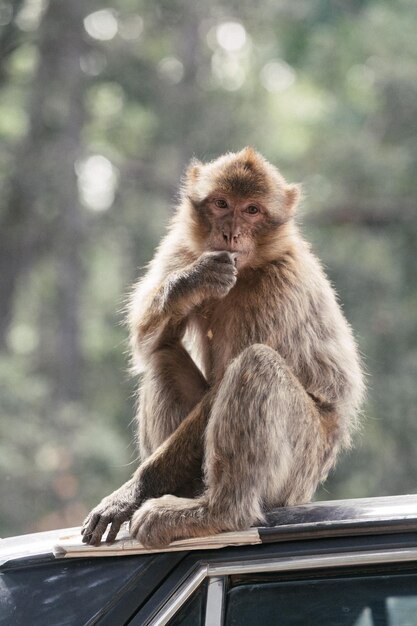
(157,317)
(175,464)
(328,363)
(161,303)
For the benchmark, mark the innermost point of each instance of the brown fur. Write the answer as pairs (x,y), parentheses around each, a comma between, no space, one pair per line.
(252,381)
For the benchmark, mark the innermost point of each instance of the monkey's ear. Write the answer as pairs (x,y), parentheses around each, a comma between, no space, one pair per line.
(193,170)
(292,197)
(249,156)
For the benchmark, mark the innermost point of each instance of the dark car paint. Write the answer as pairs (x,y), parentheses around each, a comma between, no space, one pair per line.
(70,592)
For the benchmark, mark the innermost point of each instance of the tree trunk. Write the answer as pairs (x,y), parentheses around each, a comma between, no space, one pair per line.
(43,213)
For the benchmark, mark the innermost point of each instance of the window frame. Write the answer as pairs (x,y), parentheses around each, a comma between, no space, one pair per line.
(218,572)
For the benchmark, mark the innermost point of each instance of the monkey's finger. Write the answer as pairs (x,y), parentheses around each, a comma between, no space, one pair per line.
(224,270)
(98,532)
(114,529)
(89,525)
(95,530)
(88,520)
(222,256)
(222,266)
(222,280)
(227,271)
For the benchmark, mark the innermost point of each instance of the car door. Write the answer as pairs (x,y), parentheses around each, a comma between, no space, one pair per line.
(361,587)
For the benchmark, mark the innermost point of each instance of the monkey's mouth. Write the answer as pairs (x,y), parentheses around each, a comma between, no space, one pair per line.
(232,249)
(241,257)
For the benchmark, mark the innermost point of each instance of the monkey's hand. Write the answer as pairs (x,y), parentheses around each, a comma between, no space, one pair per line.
(215,273)
(115,509)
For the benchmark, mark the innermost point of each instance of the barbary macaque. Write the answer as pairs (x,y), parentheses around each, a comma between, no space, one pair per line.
(251,377)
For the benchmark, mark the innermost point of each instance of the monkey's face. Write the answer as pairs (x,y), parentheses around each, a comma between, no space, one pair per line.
(239,203)
(234,224)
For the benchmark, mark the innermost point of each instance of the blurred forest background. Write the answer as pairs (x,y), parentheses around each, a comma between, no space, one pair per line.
(101,107)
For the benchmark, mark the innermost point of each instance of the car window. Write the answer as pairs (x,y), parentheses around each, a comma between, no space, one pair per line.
(68,592)
(380,599)
(192,613)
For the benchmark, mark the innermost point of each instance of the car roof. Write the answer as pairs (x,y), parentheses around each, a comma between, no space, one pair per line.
(342,517)
(317,519)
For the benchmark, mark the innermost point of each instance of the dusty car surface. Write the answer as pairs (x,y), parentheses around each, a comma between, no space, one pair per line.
(340,563)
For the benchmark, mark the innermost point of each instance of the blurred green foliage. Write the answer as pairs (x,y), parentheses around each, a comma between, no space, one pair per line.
(101,107)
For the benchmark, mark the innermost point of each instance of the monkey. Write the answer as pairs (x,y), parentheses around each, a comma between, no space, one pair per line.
(251,377)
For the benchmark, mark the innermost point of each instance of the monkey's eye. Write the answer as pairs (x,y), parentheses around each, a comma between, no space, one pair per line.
(252,209)
(222,204)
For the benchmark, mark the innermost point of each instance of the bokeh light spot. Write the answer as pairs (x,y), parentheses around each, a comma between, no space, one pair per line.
(231,36)
(277,76)
(171,69)
(101,25)
(97,182)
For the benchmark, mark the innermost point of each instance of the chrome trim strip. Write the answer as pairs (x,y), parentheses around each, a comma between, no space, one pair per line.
(180,596)
(215,601)
(313,562)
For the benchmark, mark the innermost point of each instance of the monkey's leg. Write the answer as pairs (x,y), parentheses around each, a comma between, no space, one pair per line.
(265,445)
(171,387)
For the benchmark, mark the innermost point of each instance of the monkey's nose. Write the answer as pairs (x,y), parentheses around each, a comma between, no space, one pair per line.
(231,238)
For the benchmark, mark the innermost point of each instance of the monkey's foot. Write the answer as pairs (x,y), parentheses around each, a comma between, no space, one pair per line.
(115,509)
(162,520)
